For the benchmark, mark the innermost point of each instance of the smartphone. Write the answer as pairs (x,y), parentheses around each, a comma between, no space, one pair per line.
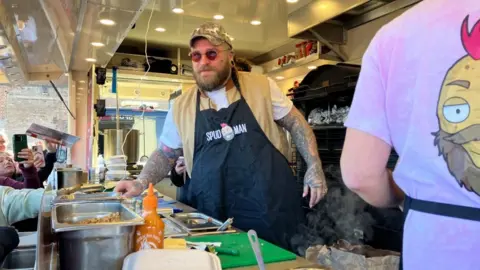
(19,143)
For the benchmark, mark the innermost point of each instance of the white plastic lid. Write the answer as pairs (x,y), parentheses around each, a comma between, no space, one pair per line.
(171,259)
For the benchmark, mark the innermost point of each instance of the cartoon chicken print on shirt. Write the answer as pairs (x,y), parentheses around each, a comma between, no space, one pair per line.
(458,113)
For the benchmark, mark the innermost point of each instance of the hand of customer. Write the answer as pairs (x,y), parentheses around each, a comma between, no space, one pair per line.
(129,188)
(180,168)
(38,160)
(51,147)
(26,154)
(315,183)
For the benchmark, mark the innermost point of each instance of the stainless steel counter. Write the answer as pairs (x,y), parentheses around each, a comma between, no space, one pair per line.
(47,249)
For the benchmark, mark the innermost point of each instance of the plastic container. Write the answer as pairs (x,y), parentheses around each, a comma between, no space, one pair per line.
(116,175)
(117,160)
(172,259)
(151,234)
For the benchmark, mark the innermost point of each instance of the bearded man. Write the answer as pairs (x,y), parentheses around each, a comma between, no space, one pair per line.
(229,128)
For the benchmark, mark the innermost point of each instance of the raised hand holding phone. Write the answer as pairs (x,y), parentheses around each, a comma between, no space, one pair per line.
(19,144)
(26,155)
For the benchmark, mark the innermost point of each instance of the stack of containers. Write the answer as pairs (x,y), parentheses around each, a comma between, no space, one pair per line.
(116,168)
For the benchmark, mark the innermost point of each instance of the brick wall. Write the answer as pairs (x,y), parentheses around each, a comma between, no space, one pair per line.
(32,104)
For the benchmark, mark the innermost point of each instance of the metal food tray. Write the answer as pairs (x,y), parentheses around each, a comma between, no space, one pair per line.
(91,188)
(83,197)
(64,216)
(172,229)
(193,222)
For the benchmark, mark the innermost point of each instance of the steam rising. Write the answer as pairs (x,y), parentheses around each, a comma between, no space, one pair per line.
(340,215)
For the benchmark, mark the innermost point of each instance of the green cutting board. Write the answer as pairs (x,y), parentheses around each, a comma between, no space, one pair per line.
(239,241)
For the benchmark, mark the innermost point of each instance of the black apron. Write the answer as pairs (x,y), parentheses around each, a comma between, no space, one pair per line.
(441,209)
(246,177)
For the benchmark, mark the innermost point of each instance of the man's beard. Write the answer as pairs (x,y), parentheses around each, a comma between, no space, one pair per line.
(458,160)
(212,84)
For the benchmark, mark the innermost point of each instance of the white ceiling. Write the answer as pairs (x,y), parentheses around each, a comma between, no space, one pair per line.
(249,40)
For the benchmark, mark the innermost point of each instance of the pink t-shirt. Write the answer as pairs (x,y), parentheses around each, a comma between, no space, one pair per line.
(419,91)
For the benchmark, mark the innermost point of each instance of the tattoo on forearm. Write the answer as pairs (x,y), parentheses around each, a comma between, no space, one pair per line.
(305,142)
(158,165)
(302,135)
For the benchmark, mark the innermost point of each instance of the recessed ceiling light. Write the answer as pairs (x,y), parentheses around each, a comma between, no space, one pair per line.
(160,29)
(256,22)
(218,17)
(82,81)
(292,1)
(107,22)
(66,74)
(91,59)
(312,67)
(279,77)
(178,10)
(97,44)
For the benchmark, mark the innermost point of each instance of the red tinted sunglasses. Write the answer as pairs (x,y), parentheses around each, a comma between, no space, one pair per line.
(210,54)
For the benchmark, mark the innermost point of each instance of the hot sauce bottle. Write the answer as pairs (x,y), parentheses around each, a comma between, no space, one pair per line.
(151,234)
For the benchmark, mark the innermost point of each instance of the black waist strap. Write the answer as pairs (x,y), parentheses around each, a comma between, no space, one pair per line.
(442,209)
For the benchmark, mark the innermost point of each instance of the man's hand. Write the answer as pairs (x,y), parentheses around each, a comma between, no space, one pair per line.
(315,181)
(156,169)
(180,167)
(306,144)
(129,188)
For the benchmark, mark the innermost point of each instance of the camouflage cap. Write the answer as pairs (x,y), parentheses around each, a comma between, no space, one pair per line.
(215,33)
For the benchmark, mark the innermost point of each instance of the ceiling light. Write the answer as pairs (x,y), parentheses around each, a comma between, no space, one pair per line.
(82,81)
(177,10)
(66,74)
(107,22)
(256,22)
(160,29)
(91,59)
(312,67)
(279,77)
(292,1)
(218,17)
(97,44)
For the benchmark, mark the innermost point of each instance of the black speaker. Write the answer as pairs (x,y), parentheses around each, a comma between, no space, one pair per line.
(100,107)
(101,75)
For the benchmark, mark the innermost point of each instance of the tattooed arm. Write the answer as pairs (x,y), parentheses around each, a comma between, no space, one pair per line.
(156,169)
(306,144)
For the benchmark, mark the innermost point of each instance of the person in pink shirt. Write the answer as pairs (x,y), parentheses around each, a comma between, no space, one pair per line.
(419,93)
